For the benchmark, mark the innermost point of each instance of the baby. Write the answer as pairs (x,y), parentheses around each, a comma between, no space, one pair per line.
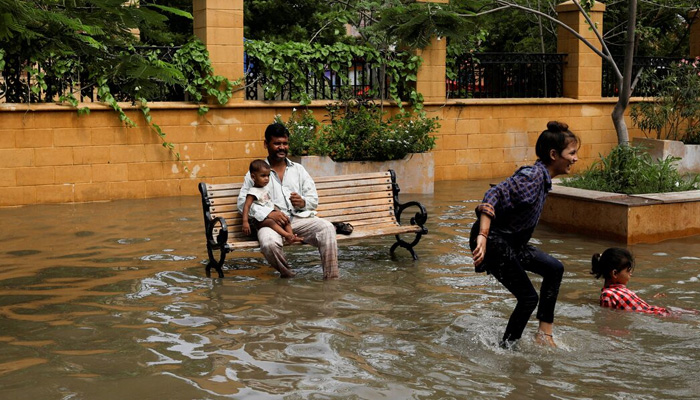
(260,174)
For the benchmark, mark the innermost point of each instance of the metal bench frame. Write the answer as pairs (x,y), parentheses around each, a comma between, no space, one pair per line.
(370,202)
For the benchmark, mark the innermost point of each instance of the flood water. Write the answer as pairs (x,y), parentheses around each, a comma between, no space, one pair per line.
(110,301)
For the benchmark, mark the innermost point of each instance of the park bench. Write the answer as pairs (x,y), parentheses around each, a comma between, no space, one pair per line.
(369,202)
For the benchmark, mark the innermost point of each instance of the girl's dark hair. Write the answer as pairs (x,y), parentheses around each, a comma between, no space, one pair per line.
(258,165)
(613,259)
(557,137)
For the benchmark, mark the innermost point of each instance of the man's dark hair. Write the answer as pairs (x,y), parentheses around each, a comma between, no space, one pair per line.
(276,130)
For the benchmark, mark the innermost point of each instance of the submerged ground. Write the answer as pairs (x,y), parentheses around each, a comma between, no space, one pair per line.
(109,301)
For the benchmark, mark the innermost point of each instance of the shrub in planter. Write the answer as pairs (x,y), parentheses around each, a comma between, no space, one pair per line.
(358,131)
(630,170)
(674,111)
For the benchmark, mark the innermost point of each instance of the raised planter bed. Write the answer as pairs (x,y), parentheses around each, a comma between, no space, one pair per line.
(643,218)
(415,173)
(660,149)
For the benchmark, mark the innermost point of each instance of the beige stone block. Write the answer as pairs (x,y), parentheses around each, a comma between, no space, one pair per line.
(228,150)
(516,155)
(505,169)
(8,177)
(53,156)
(210,168)
(10,158)
(188,187)
(491,156)
(53,120)
(26,138)
(71,137)
(480,141)
(32,176)
(454,142)
(156,152)
(110,172)
(91,155)
(51,194)
(145,171)
(17,196)
(86,192)
(462,157)
(73,174)
(127,154)
(127,190)
(490,126)
(478,171)
(102,136)
(212,133)
(7,138)
(163,188)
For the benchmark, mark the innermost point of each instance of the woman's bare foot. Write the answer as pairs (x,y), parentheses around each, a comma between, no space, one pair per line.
(544,339)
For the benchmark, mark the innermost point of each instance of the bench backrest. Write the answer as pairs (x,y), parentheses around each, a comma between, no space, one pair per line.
(363,200)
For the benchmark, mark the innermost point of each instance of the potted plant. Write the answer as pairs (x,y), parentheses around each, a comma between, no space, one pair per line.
(358,137)
(671,119)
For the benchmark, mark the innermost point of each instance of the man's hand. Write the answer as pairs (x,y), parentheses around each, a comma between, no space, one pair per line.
(297,201)
(278,217)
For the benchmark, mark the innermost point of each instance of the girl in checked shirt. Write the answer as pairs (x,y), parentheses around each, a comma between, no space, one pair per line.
(616,265)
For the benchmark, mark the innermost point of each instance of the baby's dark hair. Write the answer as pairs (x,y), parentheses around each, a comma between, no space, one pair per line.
(612,259)
(557,137)
(258,165)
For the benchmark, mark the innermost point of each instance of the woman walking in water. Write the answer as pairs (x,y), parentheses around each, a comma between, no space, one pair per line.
(505,222)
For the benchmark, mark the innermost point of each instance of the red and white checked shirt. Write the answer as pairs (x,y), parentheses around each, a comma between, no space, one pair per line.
(617,296)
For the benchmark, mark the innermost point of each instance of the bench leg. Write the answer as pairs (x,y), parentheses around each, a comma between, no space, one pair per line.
(405,246)
(213,262)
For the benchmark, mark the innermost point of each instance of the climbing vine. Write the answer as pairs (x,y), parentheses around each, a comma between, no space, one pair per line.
(290,65)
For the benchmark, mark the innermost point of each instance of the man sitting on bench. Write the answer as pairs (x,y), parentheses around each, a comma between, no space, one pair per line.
(294,193)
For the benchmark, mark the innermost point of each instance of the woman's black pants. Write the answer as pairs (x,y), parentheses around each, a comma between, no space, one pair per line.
(511,273)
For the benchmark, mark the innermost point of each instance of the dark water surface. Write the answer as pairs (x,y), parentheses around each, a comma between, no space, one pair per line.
(110,301)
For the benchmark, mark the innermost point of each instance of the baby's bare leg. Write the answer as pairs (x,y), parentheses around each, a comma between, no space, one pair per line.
(269,223)
(295,238)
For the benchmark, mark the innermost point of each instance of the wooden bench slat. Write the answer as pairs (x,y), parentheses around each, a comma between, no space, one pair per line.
(358,197)
(332,212)
(353,204)
(223,186)
(348,184)
(351,177)
(353,190)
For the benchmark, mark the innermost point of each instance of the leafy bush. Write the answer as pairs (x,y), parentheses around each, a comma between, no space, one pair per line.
(359,132)
(674,112)
(631,170)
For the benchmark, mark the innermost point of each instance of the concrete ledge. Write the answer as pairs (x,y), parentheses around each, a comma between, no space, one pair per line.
(644,218)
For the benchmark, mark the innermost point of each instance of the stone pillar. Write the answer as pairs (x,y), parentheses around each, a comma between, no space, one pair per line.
(219,24)
(694,34)
(430,80)
(583,72)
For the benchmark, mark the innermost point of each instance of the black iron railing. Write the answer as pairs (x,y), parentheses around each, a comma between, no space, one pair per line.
(74,79)
(658,64)
(507,75)
(360,79)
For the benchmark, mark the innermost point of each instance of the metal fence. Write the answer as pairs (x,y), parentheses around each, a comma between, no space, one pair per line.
(360,79)
(73,78)
(658,64)
(507,75)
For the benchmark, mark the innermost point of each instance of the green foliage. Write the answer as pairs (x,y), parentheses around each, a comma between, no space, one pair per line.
(358,131)
(296,61)
(631,170)
(674,111)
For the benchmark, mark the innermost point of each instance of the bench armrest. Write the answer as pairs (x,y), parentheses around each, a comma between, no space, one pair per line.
(419,218)
(220,241)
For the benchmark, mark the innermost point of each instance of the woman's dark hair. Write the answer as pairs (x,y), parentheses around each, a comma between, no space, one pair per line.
(276,130)
(258,166)
(613,259)
(557,137)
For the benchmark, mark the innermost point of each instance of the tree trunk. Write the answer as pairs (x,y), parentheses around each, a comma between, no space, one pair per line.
(625,84)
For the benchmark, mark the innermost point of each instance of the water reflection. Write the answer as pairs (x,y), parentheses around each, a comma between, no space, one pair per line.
(97,308)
